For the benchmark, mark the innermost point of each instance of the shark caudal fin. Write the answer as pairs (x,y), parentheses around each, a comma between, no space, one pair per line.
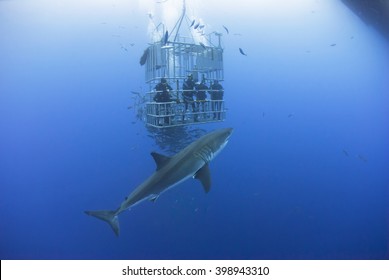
(108,216)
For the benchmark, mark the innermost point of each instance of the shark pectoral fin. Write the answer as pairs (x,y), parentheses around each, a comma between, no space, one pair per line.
(160,160)
(204,175)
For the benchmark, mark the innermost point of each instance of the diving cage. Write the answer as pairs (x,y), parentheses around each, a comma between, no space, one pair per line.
(173,57)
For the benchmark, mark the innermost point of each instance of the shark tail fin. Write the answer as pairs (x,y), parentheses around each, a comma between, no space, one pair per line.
(108,216)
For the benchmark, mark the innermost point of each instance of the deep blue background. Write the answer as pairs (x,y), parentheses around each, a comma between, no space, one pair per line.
(305,175)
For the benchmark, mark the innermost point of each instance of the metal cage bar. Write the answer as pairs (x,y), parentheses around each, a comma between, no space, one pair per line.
(169,114)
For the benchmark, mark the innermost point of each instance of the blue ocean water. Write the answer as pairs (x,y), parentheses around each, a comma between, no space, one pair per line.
(304,176)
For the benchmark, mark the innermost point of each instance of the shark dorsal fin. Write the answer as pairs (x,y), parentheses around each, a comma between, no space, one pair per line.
(204,175)
(160,160)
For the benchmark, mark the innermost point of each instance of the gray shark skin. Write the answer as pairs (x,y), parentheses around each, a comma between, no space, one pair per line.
(192,161)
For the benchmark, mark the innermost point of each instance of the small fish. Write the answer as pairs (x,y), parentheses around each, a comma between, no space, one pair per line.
(201,26)
(237,34)
(193,22)
(123,47)
(290,115)
(345,152)
(242,52)
(197,25)
(201,44)
(362,158)
(332,45)
(135,92)
(225,28)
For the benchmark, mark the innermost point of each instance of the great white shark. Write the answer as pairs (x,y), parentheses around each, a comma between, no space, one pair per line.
(192,161)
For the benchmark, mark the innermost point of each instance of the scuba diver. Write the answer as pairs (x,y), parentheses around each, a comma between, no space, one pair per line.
(163,96)
(217,93)
(201,95)
(188,92)
(163,91)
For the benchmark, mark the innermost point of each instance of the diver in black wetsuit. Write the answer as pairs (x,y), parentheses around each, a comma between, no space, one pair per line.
(163,96)
(188,92)
(201,95)
(217,93)
(163,91)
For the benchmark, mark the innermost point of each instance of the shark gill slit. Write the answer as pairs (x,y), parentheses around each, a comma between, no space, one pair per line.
(206,154)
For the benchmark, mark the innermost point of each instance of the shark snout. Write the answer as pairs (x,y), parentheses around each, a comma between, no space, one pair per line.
(224,135)
(229,133)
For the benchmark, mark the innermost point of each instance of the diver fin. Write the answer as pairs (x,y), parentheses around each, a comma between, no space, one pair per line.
(204,175)
(160,160)
(108,216)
